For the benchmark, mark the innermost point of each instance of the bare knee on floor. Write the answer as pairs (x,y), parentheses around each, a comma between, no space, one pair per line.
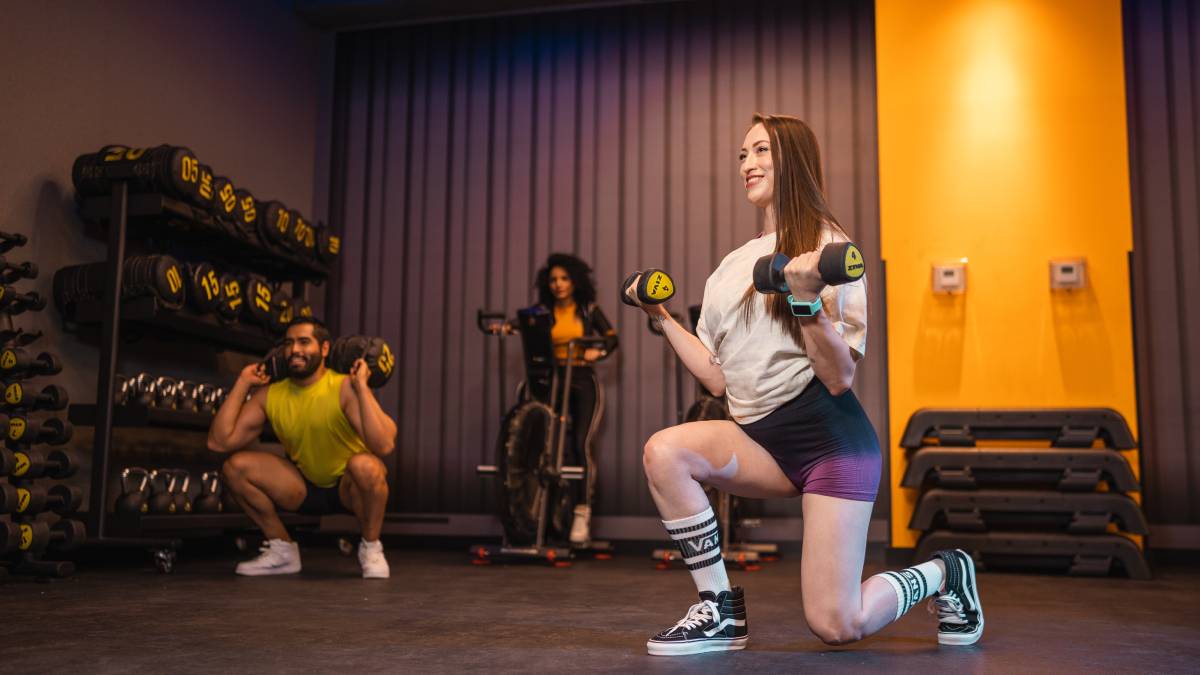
(368,472)
(835,627)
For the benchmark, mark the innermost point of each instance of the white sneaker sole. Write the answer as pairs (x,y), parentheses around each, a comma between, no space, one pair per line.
(696,647)
(964,639)
(377,575)
(267,571)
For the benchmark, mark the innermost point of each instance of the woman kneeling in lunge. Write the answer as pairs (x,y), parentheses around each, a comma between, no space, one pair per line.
(785,365)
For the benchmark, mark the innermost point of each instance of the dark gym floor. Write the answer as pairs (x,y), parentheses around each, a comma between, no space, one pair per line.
(439,613)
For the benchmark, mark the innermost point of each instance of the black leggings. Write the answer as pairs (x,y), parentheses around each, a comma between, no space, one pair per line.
(586,409)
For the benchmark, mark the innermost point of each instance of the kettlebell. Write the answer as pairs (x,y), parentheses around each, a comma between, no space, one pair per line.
(209,500)
(133,500)
(162,491)
(183,481)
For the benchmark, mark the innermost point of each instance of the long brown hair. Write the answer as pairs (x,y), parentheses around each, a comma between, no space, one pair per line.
(800,208)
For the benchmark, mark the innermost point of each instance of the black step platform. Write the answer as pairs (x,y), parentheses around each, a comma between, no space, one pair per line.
(1063,427)
(991,510)
(1077,554)
(1056,468)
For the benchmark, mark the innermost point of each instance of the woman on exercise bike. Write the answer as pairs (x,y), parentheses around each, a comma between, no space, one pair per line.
(565,289)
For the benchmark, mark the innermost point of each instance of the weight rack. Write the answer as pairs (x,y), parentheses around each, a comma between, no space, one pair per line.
(145,215)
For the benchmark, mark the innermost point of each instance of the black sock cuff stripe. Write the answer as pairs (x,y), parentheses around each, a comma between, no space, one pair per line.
(693,528)
(906,599)
(705,533)
(713,560)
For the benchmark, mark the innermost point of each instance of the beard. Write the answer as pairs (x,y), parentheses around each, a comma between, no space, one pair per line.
(301,371)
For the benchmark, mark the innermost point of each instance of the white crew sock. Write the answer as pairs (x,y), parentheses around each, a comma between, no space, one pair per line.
(699,541)
(913,584)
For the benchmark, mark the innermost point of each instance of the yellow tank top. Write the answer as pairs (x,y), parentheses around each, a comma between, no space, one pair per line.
(567,327)
(312,427)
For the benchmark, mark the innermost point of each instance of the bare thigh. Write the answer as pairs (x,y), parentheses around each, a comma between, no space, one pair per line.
(278,478)
(835,544)
(720,454)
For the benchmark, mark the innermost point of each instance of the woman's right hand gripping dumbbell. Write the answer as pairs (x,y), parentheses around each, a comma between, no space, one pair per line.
(648,289)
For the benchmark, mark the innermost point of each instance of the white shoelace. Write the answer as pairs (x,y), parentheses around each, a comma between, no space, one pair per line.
(949,609)
(697,615)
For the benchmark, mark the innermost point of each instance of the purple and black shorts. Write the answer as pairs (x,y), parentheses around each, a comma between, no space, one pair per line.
(824,443)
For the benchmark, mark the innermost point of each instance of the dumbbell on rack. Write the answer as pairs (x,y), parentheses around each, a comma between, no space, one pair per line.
(11,272)
(13,302)
(52,397)
(16,362)
(11,240)
(28,463)
(32,499)
(38,536)
(52,431)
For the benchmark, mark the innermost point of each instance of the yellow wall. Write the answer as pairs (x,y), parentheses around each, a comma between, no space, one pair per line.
(1002,140)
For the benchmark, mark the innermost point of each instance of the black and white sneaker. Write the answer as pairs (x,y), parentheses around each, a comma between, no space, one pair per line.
(715,624)
(960,616)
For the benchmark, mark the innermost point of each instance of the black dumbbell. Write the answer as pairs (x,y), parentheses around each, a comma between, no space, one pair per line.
(28,463)
(162,491)
(52,397)
(11,272)
(209,500)
(840,263)
(30,499)
(135,484)
(20,363)
(8,462)
(52,431)
(654,287)
(182,480)
(14,302)
(38,536)
(11,240)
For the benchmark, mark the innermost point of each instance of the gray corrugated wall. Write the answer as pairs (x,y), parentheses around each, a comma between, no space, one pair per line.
(464,153)
(1162,47)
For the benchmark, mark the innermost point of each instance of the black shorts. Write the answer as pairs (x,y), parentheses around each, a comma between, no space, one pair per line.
(322,501)
(825,444)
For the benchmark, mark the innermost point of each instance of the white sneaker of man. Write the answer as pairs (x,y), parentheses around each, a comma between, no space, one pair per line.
(276,557)
(370,557)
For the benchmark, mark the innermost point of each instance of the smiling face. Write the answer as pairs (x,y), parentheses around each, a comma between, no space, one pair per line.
(305,354)
(561,286)
(756,167)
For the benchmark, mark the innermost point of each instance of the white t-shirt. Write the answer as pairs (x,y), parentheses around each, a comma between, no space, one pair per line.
(763,366)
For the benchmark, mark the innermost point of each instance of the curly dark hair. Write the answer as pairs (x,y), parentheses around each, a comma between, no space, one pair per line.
(581,276)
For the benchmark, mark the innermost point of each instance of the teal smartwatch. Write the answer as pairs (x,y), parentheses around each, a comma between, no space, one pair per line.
(804,309)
